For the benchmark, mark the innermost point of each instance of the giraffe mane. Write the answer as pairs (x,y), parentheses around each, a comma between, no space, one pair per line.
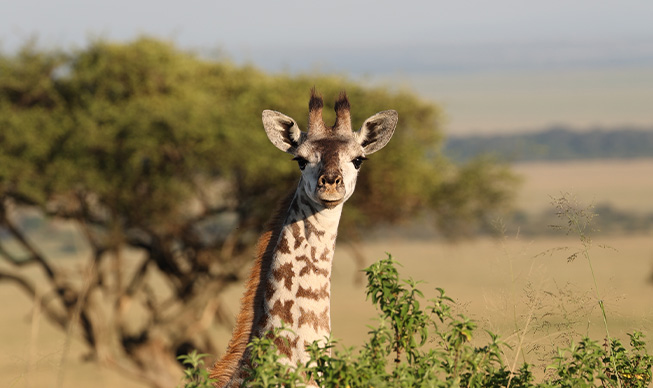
(225,368)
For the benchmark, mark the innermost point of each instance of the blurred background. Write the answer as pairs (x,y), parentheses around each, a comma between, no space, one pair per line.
(135,174)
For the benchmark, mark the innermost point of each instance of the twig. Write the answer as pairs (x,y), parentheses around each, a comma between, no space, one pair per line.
(29,247)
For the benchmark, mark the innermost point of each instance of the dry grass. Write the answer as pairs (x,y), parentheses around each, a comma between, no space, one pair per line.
(499,282)
(506,285)
(31,354)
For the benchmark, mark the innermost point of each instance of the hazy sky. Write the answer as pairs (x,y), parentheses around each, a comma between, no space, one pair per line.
(492,64)
(351,36)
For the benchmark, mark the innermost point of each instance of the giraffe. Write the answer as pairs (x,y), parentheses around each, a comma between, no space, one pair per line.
(290,282)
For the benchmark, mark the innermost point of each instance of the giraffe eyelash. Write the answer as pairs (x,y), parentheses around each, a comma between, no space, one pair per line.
(302,162)
(358,161)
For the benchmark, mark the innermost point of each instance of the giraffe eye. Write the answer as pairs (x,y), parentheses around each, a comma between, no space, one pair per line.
(301,162)
(358,161)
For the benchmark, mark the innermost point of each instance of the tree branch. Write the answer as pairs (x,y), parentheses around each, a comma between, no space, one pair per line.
(22,239)
(29,288)
(13,259)
(138,278)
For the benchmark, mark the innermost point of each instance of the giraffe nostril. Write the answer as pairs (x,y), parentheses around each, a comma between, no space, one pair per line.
(328,179)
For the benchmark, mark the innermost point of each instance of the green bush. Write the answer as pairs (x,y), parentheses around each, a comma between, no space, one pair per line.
(195,374)
(414,346)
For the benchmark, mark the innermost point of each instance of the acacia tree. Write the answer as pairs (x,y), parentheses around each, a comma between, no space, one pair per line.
(158,159)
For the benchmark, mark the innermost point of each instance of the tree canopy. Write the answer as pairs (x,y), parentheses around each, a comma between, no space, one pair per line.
(146,146)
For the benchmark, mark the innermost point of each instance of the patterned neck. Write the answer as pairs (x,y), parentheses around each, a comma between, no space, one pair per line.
(298,284)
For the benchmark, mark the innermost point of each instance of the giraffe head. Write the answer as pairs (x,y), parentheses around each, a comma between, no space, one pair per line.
(329,157)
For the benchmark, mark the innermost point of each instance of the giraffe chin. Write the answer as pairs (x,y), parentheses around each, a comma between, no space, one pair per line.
(330,204)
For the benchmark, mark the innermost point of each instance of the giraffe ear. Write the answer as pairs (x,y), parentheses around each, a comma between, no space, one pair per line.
(282,131)
(377,131)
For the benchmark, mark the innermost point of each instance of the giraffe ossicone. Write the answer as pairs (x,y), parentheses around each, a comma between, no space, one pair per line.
(290,283)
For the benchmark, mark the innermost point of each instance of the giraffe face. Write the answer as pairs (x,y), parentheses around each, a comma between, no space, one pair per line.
(329,157)
(329,168)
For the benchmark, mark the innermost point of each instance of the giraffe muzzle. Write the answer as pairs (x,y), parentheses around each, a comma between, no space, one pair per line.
(330,190)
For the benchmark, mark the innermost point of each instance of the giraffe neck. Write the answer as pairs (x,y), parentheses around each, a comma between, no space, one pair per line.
(298,282)
(290,283)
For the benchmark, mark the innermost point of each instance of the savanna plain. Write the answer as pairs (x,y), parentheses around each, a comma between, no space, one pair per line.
(522,287)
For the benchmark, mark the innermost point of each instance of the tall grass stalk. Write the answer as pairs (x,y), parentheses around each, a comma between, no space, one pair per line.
(521,332)
(580,221)
(520,348)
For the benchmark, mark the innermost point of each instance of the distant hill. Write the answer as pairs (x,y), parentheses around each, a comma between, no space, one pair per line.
(553,144)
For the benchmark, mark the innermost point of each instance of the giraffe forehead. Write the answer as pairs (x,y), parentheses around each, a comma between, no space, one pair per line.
(330,148)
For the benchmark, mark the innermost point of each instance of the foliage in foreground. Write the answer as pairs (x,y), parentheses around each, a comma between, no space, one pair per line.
(195,374)
(415,346)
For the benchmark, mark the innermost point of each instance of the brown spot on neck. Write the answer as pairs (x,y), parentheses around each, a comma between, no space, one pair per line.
(325,255)
(309,293)
(282,310)
(309,317)
(297,235)
(285,345)
(286,273)
(283,246)
(312,230)
(311,267)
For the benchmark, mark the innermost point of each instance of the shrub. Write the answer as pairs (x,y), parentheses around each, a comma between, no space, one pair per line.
(432,347)
(195,374)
